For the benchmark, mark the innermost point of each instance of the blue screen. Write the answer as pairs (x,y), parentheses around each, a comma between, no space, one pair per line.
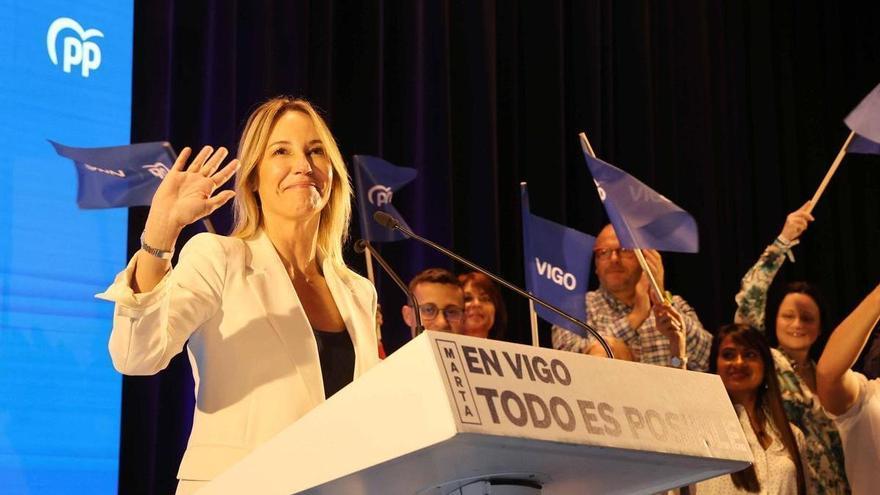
(65,75)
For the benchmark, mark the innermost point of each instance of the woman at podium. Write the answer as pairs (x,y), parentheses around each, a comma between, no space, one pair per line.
(273,320)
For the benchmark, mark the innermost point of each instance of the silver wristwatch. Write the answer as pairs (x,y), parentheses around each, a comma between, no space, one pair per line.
(164,255)
(677,362)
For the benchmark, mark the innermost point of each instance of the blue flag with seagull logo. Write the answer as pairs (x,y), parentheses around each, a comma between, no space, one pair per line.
(118,176)
(376,181)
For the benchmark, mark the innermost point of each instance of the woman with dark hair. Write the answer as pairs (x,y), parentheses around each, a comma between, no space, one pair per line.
(485,314)
(741,357)
(796,332)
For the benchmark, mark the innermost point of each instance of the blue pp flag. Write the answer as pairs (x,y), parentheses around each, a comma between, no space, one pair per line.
(118,176)
(864,120)
(557,262)
(376,182)
(642,217)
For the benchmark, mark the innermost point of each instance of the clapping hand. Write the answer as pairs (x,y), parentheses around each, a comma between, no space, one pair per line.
(655,263)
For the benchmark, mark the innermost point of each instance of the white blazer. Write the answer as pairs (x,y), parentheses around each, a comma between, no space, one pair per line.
(253,354)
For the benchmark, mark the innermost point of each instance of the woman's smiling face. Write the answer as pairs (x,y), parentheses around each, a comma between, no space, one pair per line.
(797,322)
(294,174)
(479,311)
(741,368)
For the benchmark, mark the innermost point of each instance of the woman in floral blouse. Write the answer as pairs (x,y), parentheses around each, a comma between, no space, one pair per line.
(798,323)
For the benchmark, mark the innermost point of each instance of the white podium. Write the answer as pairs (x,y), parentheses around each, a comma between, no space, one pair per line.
(447,410)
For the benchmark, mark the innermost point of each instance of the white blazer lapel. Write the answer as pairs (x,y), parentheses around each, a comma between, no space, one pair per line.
(271,284)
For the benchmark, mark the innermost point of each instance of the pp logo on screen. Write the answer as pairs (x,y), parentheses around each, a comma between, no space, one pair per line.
(77,49)
(379,195)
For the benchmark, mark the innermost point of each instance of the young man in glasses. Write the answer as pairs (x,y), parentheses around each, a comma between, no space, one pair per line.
(665,333)
(441,301)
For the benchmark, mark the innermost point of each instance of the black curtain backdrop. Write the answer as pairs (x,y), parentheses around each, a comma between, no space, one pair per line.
(731,109)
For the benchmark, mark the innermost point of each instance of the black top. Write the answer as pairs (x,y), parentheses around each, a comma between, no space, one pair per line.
(336,353)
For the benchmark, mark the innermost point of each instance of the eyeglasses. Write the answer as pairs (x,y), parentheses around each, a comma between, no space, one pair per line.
(430,311)
(605,253)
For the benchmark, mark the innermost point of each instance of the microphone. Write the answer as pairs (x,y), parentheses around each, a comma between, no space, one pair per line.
(387,221)
(390,222)
(361,246)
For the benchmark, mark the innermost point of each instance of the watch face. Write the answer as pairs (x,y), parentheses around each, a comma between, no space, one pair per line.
(676,361)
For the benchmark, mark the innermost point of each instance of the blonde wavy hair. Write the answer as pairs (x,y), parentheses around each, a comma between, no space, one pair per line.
(335,217)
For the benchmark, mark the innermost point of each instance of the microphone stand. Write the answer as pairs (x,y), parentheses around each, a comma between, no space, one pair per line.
(361,246)
(390,222)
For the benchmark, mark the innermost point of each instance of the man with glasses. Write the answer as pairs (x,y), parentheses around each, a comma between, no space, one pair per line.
(441,301)
(665,334)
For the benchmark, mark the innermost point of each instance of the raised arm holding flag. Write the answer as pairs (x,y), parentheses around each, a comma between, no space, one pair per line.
(792,323)
(659,328)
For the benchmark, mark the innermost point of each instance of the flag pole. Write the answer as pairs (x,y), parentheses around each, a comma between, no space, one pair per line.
(585,144)
(368,260)
(533,319)
(831,171)
(533,316)
(661,296)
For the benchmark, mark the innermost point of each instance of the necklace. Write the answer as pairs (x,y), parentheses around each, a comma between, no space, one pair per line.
(797,367)
(806,371)
(807,366)
(309,279)
(302,275)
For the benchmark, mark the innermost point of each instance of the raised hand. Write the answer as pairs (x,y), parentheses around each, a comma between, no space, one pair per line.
(796,223)
(643,293)
(655,263)
(641,303)
(185,194)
